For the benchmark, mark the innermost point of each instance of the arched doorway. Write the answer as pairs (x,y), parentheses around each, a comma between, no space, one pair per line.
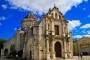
(19,53)
(31,55)
(12,47)
(5,52)
(12,50)
(58,49)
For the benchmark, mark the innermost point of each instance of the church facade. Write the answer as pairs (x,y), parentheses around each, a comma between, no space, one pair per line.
(48,39)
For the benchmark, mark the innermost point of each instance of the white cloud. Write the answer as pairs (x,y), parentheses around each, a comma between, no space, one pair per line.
(80,36)
(88,32)
(2,18)
(77,36)
(4,6)
(73,24)
(83,31)
(0,24)
(86,35)
(42,6)
(86,26)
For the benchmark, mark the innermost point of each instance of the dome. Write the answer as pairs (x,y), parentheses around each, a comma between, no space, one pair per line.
(31,15)
(29,20)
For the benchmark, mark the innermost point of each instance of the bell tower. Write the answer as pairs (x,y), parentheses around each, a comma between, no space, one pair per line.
(29,21)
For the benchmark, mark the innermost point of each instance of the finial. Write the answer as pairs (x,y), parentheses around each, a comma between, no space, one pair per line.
(54,5)
(49,9)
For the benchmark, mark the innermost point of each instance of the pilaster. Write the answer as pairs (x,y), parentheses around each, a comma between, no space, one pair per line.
(65,49)
(48,53)
(2,53)
(53,50)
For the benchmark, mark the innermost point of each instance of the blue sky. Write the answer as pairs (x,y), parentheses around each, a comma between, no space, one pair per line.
(12,12)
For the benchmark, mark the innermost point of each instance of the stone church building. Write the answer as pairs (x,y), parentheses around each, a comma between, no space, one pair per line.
(48,39)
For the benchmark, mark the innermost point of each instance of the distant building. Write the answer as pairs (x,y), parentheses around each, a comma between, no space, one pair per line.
(43,40)
(82,45)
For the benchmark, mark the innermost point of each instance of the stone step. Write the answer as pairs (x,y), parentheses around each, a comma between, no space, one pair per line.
(58,58)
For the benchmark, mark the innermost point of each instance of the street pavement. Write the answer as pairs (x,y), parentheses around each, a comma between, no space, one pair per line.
(6,59)
(74,58)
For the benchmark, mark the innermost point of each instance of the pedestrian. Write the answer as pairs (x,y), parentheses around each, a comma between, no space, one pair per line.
(78,55)
(16,57)
(81,54)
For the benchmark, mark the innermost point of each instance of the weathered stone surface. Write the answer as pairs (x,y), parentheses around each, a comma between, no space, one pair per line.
(48,39)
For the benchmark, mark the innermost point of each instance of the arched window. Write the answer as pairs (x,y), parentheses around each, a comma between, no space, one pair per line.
(5,52)
(52,14)
(59,17)
(12,47)
(55,15)
(12,50)
(56,30)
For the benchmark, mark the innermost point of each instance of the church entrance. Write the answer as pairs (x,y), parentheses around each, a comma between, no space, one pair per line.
(58,49)
(5,52)
(30,55)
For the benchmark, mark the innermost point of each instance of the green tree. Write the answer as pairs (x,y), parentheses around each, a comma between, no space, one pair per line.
(1,43)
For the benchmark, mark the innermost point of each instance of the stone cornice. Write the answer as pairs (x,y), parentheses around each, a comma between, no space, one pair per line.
(55,19)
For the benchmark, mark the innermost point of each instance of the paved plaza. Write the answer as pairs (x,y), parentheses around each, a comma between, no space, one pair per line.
(5,59)
(74,58)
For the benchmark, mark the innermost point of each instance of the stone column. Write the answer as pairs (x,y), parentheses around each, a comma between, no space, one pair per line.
(46,27)
(69,49)
(65,49)
(24,52)
(53,50)
(48,53)
(2,53)
(71,46)
(17,46)
(62,31)
(53,31)
(47,42)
